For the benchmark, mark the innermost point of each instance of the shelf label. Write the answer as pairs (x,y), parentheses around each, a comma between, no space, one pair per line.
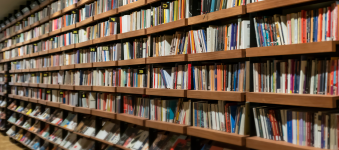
(105,48)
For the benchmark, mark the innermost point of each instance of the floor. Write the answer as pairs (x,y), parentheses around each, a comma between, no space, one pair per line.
(6,144)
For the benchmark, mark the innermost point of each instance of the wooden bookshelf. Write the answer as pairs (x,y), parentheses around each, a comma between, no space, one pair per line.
(220,136)
(102,141)
(293,49)
(55,32)
(82,110)
(305,100)
(105,64)
(44,36)
(84,22)
(265,144)
(67,67)
(3,93)
(104,88)
(34,39)
(131,90)
(104,114)
(65,128)
(87,136)
(133,5)
(229,54)
(33,85)
(24,98)
(84,65)
(68,28)
(138,61)
(131,34)
(166,59)
(69,8)
(43,85)
(106,14)
(24,84)
(53,86)
(67,107)
(83,2)
(131,119)
(43,102)
(68,47)
(167,26)
(44,20)
(33,100)
(56,14)
(53,104)
(43,69)
(265,5)
(56,68)
(67,87)
(24,70)
(166,126)
(166,92)
(216,95)
(121,147)
(105,39)
(34,54)
(83,88)
(84,44)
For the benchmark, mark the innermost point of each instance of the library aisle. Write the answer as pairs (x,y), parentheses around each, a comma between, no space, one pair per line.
(6,144)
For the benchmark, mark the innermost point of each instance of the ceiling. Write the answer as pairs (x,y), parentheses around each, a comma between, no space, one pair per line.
(8,6)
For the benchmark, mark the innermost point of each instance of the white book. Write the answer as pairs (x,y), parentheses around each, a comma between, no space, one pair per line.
(256,122)
(263,123)
(294,126)
(245,33)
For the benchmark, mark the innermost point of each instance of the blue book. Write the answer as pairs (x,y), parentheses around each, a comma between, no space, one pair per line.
(234,35)
(233,116)
(289,127)
(315,35)
(204,35)
(236,77)
(193,74)
(212,6)
(231,43)
(195,113)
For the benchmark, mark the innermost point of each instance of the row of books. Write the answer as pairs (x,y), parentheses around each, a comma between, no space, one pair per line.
(300,126)
(306,76)
(177,77)
(136,106)
(208,6)
(305,26)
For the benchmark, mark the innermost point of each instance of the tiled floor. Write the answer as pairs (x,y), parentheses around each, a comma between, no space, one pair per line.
(6,144)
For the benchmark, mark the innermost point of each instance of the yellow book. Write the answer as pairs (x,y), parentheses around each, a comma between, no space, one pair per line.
(175,10)
(29,112)
(239,4)
(164,21)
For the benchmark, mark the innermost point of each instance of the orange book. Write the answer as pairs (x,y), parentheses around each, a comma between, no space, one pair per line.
(192,42)
(320,23)
(225,38)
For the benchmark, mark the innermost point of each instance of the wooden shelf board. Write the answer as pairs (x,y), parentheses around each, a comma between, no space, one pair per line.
(133,5)
(3,93)
(83,88)
(131,119)
(82,110)
(293,49)
(166,92)
(34,54)
(34,39)
(104,88)
(220,136)
(131,34)
(17,84)
(67,87)
(167,26)
(102,141)
(105,64)
(16,96)
(68,47)
(53,104)
(67,67)
(43,102)
(65,128)
(67,28)
(105,39)
(24,70)
(56,14)
(34,85)
(305,100)
(84,44)
(53,86)
(138,61)
(85,65)
(43,69)
(216,95)
(24,84)
(67,107)
(229,54)
(265,5)
(265,144)
(121,147)
(131,90)
(33,100)
(106,14)
(166,126)
(82,135)
(54,50)
(34,70)
(56,68)
(69,8)
(44,36)
(44,20)
(166,59)
(43,85)
(83,2)
(105,114)
(55,32)
(84,22)
(24,98)
(43,52)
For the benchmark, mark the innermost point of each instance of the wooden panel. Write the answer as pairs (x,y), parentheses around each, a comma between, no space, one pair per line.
(24,84)
(66,128)
(83,2)
(270,4)
(53,86)
(131,90)
(67,87)
(19,44)
(306,100)
(85,22)
(17,84)
(43,85)
(24,70)
(26,42)
(55,32)
(33,100)
(82,110)
(82,134)
(105,64)
(133,5)
(34,85)
(67,28)
(104,114)
(304,48)
(34,54)
(56,14)
(43,102)
(34,70)
(67,107)
(43,69)
(34,25)
(166,126)
(131,119)
(85,65)
(84,44)
(166,92)
(167,26)
(3,93)
(216,95)
(82,88)
(265,144)
(16,96)
(104,88)
(105,39)
(53,104)
(44,20)
(130,34)
(106,14)
(53,68)
(34,39)
(166,59)
(10,95)
(67,67)
(102,141)
(68,47)
(24,98)
(230,54)
(69,8)
(152,1)
(43,52)
(230,138)
(44,36)
(54,50)
(26,56)
(138,61)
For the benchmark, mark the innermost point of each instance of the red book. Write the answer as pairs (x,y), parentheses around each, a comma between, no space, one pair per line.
(302,26)
(269,114)
(125,104)
(120,24)
(328,22)
(227,119)
(189,76)
(276,126)
(320,24)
